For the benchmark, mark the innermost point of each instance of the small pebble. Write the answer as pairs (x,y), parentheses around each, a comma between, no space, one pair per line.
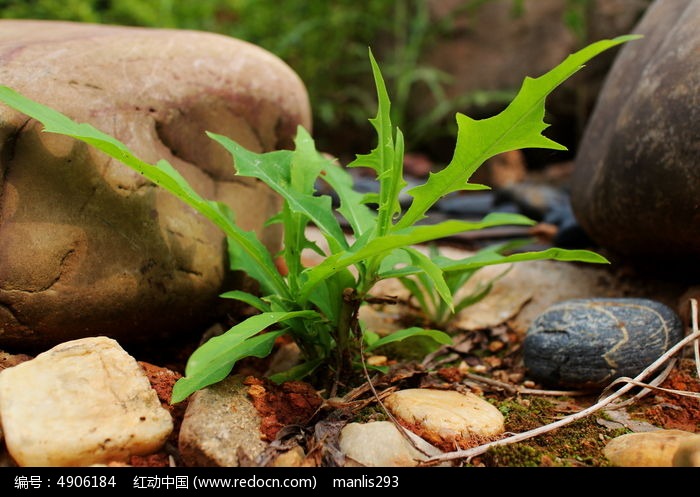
(646,449)
(588,343)
(380,444)
(688,452)
(446,418)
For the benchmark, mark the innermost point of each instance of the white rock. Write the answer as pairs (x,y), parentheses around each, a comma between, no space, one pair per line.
(446,418)
(81,403)
(380,444)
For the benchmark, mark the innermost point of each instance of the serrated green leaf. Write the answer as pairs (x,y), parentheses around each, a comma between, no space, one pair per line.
(352,203)
(386,159)
(405,238)
(491,258)
(248,254)
(519,126)
(480,260)
(274,169)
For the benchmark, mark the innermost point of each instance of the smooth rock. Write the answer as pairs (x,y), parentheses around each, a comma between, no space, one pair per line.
(446,418)
(220,421)
(688,452)
(636,181)
(587,343)
(380,444)
(646,449)
(80,403)
(88,246)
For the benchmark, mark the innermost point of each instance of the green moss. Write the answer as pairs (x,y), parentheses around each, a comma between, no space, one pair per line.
(579,443)
(514,455)
(523,414)
(370,413)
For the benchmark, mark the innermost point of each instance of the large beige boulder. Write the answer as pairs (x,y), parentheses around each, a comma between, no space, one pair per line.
(87,246)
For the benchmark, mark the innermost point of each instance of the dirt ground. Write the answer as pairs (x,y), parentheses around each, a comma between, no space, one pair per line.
(484,358)
(485,362)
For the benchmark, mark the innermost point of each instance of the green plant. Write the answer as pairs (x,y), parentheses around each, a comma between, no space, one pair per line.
(436,311)
(318,306)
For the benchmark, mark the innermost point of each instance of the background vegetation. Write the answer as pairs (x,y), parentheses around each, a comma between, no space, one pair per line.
(326,44)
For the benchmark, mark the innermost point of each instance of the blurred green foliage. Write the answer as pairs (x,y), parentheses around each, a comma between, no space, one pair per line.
(326,44)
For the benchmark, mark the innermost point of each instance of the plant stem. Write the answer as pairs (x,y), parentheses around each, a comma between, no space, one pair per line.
(346,332)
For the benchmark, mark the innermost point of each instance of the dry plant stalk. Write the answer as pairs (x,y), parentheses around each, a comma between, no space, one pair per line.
(610,399)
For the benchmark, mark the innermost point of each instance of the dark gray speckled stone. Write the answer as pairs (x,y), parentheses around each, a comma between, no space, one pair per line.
(584,343)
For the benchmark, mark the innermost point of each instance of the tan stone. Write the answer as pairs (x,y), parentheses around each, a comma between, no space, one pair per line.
(88,246)
(80,403)
(645,449)
(688,452)
(380,444)
(446,418)
(220,421)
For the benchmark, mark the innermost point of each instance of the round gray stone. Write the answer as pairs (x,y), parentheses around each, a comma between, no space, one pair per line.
(585,343)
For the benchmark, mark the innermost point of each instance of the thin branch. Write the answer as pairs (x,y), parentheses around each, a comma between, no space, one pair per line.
(652,387)
(427,361)
(522,390)
(647,387)
(405,433)
(475,451)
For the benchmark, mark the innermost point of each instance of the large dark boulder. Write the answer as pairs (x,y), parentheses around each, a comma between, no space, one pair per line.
(636,185)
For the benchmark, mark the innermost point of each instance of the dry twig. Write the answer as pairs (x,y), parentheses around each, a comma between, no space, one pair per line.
(408,435)
(515,389)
